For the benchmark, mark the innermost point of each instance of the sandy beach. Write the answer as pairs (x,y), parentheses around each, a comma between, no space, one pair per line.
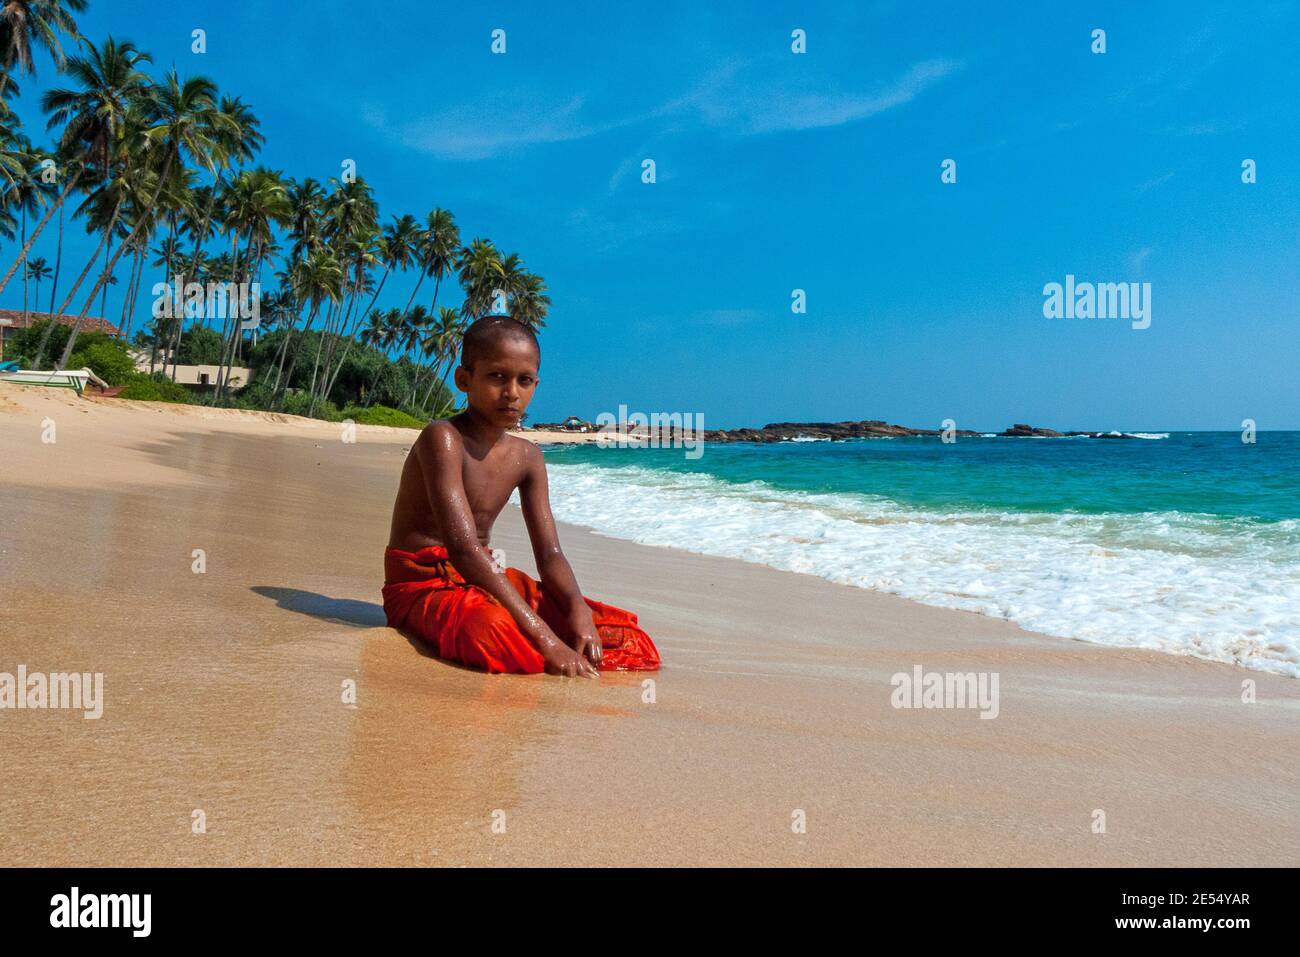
(224,692)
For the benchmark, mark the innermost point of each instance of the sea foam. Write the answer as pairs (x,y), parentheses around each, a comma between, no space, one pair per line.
(1222,589)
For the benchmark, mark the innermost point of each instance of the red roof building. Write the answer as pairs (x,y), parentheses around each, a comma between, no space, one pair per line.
(12,320)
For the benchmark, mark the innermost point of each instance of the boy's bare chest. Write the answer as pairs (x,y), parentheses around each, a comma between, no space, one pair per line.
(489,482)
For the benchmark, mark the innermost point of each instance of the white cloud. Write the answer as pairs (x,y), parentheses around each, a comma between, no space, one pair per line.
(492,126)
(743,99)
(757,99)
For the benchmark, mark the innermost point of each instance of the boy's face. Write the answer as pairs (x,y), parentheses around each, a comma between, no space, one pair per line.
(501,384)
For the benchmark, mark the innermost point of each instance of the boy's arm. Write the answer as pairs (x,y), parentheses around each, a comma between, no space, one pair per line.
(552,567)
(439,452)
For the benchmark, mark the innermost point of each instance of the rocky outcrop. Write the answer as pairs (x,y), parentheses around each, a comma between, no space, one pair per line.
(1022,431)
(566,426)
(828,431)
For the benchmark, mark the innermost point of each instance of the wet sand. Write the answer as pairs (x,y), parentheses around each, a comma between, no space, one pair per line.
(223,692)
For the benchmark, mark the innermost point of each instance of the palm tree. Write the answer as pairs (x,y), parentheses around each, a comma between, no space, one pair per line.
(198,222)
(109,202)
(38,270)
(365,248)
(132,290)
(13,151)
(447,337)
(28,23)
(8,223)
(440,248)
(349,223)
(105,123)
(376,334)
(530,302)
(183,119)
(397,250)
(7,86)
(306,200)
(256,201)
(316,279)
(175,197)
(239,139)
(93,117)
(409,336)
(168,257)
(288,307)
(481,276)
(103,206)
(25,196)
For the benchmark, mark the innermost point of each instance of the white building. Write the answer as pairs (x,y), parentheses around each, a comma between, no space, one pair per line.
(200,377)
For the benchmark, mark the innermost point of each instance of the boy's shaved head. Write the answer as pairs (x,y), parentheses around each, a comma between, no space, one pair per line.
(484,336)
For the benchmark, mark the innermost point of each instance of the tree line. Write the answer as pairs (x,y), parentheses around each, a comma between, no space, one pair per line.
(162,172)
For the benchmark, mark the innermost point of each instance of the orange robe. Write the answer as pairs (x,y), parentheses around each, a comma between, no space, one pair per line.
(425,596)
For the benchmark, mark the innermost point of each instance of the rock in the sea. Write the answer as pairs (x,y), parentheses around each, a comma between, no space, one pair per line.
(824,431)
(1020,430)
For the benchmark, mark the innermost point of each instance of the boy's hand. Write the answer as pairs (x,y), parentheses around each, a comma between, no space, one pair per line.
(562,660)
(585,639)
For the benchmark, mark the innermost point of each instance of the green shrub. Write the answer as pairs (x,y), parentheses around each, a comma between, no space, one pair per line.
(25,342)
(107,359)
(256,396)
(295,403)
(200,346)
(299,403)
(157,388)
(382,415)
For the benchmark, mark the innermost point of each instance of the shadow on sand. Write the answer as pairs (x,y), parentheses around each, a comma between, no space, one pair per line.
(342,611)
(339,611)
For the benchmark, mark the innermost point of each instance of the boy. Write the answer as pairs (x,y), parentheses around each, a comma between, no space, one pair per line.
(440,580)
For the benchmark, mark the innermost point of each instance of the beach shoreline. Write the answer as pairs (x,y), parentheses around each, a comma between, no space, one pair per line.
(224,691)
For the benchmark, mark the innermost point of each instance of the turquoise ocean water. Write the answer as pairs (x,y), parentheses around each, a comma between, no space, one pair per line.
(1183,542)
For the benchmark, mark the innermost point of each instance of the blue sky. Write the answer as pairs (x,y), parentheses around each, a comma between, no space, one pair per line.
(819,171)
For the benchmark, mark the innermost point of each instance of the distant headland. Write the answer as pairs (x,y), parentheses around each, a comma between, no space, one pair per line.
(829,431)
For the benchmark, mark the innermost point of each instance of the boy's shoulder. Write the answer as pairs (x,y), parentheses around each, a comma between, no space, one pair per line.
(439,427)
(443,433)
(439,434)
(528,452)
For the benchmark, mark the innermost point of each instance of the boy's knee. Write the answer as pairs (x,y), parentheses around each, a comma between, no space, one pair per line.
(488,616)
(491,626)
(497,643)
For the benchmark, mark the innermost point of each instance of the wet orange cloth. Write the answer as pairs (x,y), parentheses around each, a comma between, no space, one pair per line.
(425,596)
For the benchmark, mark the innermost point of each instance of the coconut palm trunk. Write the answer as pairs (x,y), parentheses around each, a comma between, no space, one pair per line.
(237,336)
(194,265)
(284,348)
(352,333)
(340,329)
(45,336)
(36,233)
(58,261)
(23,259)
(112,263)
(128,303)
(311,390)
(311,317)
